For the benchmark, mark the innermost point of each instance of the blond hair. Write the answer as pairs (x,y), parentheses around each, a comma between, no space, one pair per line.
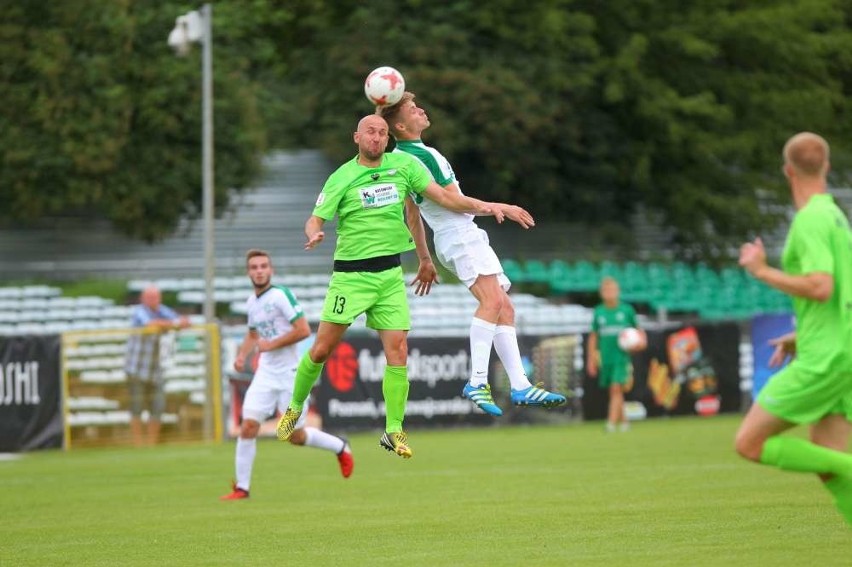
(808,154)
(391,112)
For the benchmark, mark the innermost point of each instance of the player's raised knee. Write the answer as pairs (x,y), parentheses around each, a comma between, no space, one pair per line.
(747,446)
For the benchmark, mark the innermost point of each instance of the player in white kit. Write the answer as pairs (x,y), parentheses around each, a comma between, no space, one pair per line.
(463,248)
(276,324)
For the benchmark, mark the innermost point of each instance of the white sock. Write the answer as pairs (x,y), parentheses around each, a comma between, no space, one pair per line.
(481,339)
(506,345)
(322,440)
(246,450)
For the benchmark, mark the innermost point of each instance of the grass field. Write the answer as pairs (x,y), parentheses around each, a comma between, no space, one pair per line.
(669,492)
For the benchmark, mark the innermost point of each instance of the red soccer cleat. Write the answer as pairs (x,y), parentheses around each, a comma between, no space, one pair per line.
(235,494)
(347,463)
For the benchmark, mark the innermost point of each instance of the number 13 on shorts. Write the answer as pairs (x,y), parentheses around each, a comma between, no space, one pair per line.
(339,304)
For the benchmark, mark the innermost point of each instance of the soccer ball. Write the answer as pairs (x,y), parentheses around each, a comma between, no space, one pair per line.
(384,86)
(629,339)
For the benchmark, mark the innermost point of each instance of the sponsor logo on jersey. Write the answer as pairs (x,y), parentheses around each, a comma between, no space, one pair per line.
(379,196)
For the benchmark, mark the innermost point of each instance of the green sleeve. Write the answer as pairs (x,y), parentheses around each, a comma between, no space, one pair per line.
(426,157)
(595,327)
(329,198)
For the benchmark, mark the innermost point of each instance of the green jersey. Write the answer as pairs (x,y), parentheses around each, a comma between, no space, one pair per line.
(607,322)
(370,205)
(820,241)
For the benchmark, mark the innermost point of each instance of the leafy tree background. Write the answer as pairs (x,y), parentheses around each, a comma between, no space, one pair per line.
(581,111)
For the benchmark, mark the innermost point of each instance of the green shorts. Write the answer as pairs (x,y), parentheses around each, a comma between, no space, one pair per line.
(618,373)
(381,295)
(799,396)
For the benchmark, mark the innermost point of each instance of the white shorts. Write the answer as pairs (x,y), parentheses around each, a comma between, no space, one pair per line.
(269,392)
(466,253)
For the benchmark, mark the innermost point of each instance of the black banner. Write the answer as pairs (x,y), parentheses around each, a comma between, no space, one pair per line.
(687,370)
(350,391)
(30,410)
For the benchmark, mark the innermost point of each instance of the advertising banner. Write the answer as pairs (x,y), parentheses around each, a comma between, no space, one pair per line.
(30,410)
(350,391)
(763,329)
(690,370)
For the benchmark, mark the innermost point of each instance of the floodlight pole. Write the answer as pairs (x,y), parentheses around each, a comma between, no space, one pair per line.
(191,27)
(208,200)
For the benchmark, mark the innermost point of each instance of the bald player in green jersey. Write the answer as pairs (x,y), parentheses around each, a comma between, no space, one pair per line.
(816,388)
(368,194)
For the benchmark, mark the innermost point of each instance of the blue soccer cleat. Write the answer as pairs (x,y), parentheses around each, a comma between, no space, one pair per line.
(537,396)
(481,396)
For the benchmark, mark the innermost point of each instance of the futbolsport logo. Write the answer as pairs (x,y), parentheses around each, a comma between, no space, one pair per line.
(428,368)
(343,367)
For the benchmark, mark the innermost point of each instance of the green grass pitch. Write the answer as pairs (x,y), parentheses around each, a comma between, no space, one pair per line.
(669,492)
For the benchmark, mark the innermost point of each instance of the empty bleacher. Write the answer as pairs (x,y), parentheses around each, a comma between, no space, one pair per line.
(270,215)
(40,309)
(446,311)
(671,287)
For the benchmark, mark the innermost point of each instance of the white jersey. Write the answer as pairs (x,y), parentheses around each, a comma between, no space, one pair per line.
(461,246)
(437,217)
(272,314)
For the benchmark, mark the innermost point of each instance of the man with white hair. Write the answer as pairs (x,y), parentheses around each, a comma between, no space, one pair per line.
(143,365)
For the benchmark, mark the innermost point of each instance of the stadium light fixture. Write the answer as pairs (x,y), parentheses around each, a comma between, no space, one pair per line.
(197,27)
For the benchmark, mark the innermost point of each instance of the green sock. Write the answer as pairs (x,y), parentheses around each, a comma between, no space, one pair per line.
(395,391)
(841,488)
(794,454)
(306,376)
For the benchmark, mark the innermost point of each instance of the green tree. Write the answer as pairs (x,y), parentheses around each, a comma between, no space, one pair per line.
(100,118)
(584,110)
(702,95)
(579,110)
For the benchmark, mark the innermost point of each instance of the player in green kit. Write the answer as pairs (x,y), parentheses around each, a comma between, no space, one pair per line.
(368,195)
(816,388)
(604,358)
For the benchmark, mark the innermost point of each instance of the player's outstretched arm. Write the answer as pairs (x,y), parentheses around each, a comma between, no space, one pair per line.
(314,232)
(459,203)
(517,214)
(497,210)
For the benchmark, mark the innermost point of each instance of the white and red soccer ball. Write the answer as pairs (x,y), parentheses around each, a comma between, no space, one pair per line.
(384,86)
(629,339)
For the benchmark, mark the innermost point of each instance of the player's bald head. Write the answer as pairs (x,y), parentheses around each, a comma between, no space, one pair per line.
(371,121)
(808,154)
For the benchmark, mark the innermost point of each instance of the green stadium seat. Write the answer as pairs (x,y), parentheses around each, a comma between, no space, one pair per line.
(536,272)
(610,269)
(513,270)
(561,277)
(586,276)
